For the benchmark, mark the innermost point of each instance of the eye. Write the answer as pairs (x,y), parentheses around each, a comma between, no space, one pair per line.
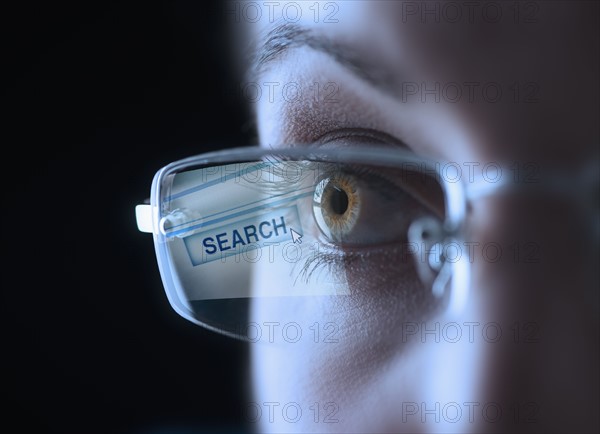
(362,205)
(337,206)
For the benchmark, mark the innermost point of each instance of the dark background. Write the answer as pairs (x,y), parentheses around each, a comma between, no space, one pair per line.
(99,96)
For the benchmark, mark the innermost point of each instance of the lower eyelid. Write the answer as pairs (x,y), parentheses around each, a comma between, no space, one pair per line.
(372,268)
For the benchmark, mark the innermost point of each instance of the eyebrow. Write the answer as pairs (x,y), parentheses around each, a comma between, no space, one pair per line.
(285,37)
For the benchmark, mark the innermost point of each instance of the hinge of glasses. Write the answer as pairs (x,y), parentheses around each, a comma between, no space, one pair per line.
(143,216)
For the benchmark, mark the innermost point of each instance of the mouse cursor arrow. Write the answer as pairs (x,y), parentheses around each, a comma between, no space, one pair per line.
(296,237)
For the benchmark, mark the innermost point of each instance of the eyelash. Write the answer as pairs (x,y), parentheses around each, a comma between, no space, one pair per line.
(317,262)
(337,263)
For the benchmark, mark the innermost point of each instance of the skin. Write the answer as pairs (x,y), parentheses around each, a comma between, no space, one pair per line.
(372,370)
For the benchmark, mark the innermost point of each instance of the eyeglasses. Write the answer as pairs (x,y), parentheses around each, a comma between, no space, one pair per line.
(249,230)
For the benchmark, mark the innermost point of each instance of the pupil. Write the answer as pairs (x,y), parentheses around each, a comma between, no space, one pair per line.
(339,201)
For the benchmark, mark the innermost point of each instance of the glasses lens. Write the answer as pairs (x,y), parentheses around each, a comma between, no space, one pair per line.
(243,239)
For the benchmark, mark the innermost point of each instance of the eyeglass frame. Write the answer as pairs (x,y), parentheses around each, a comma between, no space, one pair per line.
(457,196)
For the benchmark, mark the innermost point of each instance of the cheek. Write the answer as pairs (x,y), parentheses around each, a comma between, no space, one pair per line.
(351,345)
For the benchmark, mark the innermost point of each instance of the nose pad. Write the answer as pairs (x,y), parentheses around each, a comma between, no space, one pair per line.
(428,234)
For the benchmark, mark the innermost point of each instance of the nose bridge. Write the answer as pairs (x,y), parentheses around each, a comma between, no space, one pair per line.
(531,280)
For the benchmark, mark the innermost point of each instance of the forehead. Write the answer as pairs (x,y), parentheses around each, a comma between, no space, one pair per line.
(542,47)
(434,33)
(335,15)
(383,42)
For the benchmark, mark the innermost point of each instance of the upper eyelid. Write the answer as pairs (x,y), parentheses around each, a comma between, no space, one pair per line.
(380,137)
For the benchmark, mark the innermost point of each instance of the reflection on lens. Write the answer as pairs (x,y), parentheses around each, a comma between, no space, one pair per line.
(336,206)
(281,235)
